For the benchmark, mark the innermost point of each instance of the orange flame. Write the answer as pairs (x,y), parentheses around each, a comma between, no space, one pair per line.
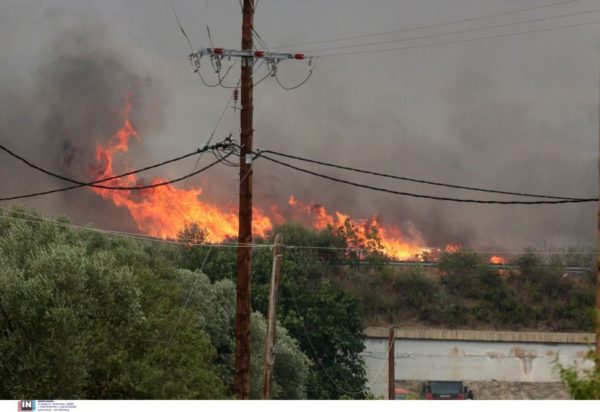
(392,241)
(166,210)
(453,248)
(498,260)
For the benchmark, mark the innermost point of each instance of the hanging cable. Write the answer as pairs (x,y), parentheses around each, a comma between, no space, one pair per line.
(428,36)
(422,196)
(498,36)
(410,179)
(225,76)
(430,26)
(209,37)
(180,26)
(310,72)
(96,184)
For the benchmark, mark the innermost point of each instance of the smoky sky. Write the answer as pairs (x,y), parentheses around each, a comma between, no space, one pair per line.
(518,113)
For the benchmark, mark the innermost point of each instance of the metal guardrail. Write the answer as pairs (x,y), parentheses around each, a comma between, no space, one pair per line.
(497,266)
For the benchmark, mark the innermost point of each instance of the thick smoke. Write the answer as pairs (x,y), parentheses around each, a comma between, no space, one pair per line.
(82,81)
(515,114)
(488,138)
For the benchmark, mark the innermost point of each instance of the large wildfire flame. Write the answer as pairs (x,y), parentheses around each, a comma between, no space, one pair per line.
(167,210)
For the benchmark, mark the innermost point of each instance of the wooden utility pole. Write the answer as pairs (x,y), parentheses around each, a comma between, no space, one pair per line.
(272,319)
(244,257)
(391,364)
(247,56)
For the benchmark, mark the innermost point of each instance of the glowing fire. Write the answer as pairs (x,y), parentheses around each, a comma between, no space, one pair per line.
(498,260)
(393,242)
(166,210)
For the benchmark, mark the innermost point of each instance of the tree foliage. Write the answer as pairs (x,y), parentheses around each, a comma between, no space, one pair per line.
(324,319)
(464,292)
(85,316)
(582,384)
(215,305)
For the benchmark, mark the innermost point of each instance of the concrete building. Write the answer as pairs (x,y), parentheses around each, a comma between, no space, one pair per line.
(480,358)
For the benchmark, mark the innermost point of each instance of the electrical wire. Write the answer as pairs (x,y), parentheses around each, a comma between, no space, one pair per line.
(428,36)
(269,74)
(426,248)
(409,179)
(430,26)
(260,40)
(209,36)
(498,36)
(189,243)
(310,72)
(204,82)
(422,196)
(212,134)
(273,73)
(219,78)
(136,236)
(218,155)
(180,26)
(225,76)
(175,328)
(316,354)
(95,184)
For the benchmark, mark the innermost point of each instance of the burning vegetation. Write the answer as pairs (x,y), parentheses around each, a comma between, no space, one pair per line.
(167,211)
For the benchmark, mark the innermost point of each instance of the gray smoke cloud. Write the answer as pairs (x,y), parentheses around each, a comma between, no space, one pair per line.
(80,83)
(516,114)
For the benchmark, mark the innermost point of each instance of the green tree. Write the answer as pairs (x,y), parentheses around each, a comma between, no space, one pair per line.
(582,384)
(215,305)
(321,316)
(86,316)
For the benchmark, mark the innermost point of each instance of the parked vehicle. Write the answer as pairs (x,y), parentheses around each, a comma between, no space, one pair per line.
(446,390)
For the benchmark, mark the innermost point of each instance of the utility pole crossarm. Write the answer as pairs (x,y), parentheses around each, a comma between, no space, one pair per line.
(219,52)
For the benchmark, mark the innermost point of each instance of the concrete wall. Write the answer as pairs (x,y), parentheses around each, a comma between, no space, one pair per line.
(470,355)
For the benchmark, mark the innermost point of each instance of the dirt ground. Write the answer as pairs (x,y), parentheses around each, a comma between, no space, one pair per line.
(494,390)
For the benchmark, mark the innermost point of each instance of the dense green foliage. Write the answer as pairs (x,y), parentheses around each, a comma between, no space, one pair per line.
(215,302)
(86,315)
(464,292)
(582,384)
(83,315)
(324,319)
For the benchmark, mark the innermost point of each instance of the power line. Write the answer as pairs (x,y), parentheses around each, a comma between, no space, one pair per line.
(421,196)
(95,184)
(130,235)
(273,68)
(409,179)
(310,72)
(188,242)
(427,36)
(430,26)
(180,26)
(212,134)
(352,53)
(135,236)
(190,294)
(204,82)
